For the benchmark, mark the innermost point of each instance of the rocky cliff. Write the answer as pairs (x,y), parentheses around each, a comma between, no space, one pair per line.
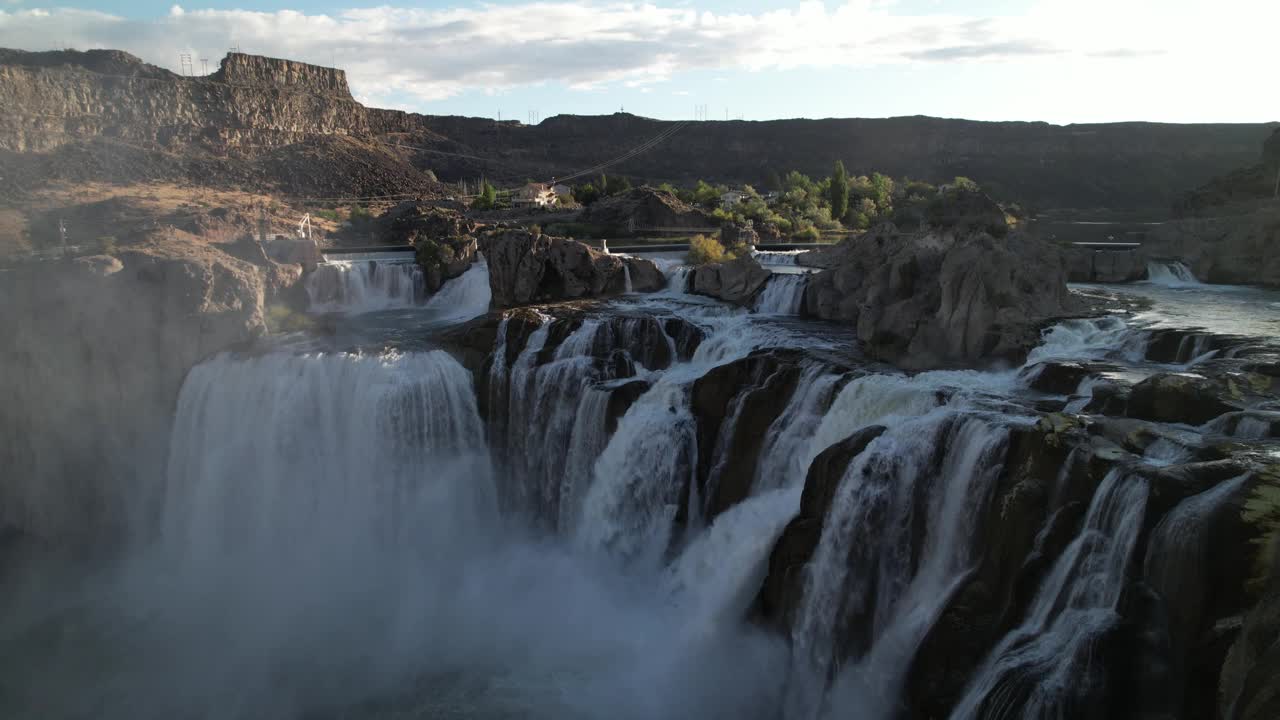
(94,351)
(257,123)
(56,102)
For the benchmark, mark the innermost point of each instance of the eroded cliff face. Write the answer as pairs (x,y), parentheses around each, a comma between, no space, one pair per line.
(257,123)
(249,100)
(54,100)
(94,352)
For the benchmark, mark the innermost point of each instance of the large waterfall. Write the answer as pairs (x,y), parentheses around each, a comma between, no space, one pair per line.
(544,532)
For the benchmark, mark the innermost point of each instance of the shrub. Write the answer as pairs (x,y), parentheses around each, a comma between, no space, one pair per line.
(808,234)
(331,215)
(358,214)
(704,249)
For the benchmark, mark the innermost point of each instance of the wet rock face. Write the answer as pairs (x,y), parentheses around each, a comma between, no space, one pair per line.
(94,354)
(527,268)
(783,587)
(1085,265)
(1179,397)
(737,281)
(734,405)
(444,258)
(936,299)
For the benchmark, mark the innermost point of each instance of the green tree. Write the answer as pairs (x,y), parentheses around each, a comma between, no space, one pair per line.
(586,194)
(882,187)
(488,198)
(706,195)
(964,184)
(838,191)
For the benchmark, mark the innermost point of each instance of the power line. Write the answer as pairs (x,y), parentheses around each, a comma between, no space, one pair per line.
(639,149)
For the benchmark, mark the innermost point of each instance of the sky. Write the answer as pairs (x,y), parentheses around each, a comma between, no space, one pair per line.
(1060,61)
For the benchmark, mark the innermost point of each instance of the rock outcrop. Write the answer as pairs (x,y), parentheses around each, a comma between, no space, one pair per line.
(939,298)
(527,267)
(736,281)
(94,352)
(643,208)
(104,114)
(1232,249)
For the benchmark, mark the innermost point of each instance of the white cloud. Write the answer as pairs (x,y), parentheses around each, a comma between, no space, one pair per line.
(429,55)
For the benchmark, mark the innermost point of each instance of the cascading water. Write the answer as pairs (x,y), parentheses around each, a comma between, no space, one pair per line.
(787,450)
(1177,564)
(863,594)
(464,297)
(358,286)
(1170,273)
(1043,668)
(782,295)
(778,257)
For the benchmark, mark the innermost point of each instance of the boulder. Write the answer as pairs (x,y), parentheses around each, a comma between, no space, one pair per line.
(736,281)
(1057,378)
(645,274)
(295,251)
(967,211)
(409,222)
(527,267)
(734,234)
(444,258)
(938,298)
(1179,398)
(643,207)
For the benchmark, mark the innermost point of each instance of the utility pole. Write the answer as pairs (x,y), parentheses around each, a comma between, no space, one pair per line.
(62,235)
(187,68)
(204,66)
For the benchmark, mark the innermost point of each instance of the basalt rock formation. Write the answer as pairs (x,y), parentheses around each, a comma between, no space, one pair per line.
(94,352)
(643,208)
(527,267)
(737,281)
(279,124)
(939,297)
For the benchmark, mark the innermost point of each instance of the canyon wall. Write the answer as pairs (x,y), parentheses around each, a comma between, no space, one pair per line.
(57,99)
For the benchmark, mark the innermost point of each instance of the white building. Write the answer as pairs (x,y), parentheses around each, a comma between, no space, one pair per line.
(534,195)
(731,198)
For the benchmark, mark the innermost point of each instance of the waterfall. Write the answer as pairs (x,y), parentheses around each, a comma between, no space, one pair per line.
(1088,339)
(783,294)
(640,478)
(864,593)
(359,286)
(1170,273)
(626,278)
(717,576)
(1177,561)
(778,257)
(319,453)
(786,454)
(678,278)
(1046,664)
(542,414)
(464,297)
